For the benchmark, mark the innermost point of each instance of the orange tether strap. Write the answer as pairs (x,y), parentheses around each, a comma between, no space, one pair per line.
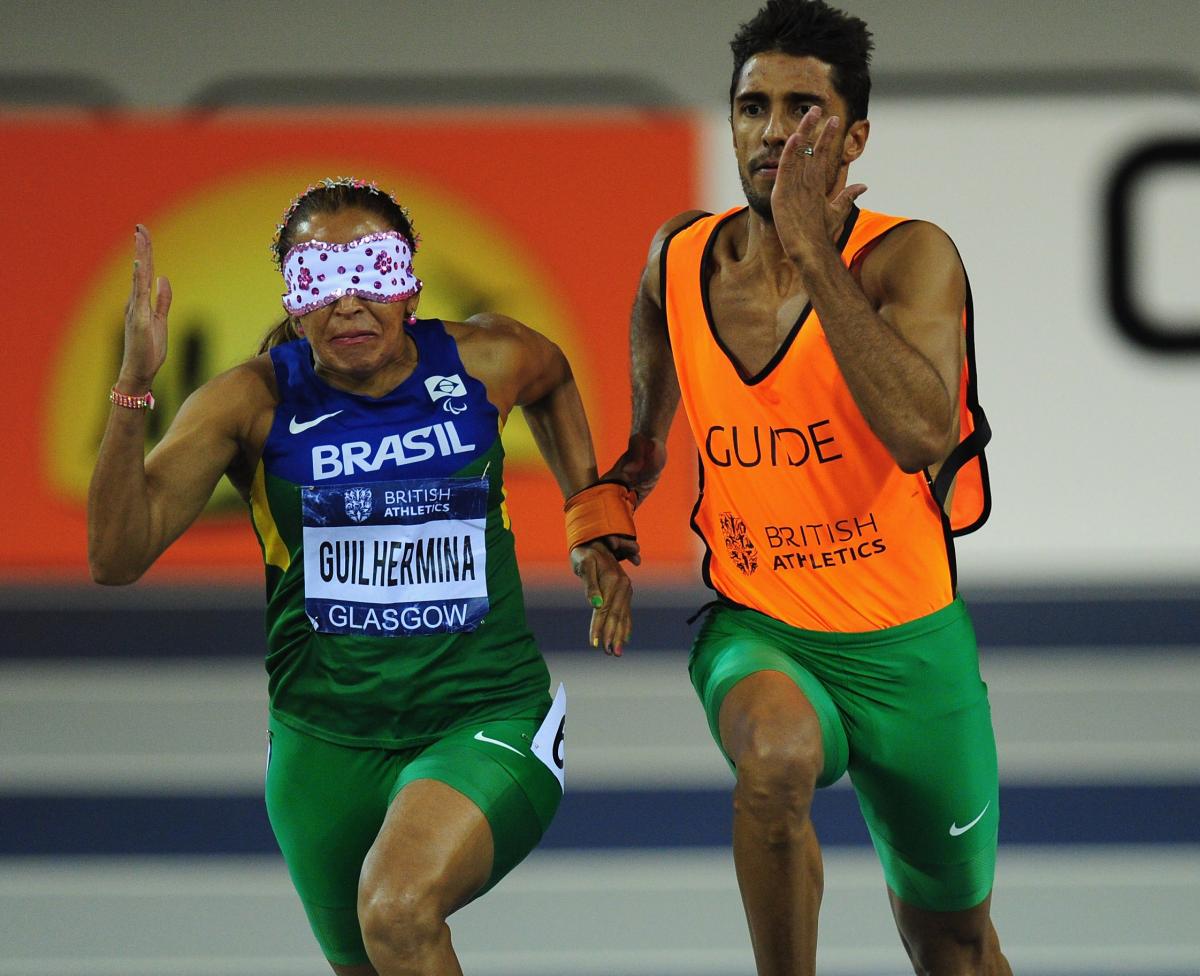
(605,508)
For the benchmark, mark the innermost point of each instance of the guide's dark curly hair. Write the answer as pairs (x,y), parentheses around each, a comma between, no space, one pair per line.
(811,28)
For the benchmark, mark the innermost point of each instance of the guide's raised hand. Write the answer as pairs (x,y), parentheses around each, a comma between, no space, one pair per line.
(805,209)
(145,320)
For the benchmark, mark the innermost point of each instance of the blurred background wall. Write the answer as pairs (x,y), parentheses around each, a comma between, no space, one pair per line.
(162,54)
(540,143)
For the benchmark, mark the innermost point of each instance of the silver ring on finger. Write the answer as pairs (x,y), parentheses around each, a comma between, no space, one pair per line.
(806,151)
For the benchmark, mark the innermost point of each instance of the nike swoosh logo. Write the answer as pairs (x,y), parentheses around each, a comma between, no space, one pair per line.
(496,742)
(956,830)
(296,427)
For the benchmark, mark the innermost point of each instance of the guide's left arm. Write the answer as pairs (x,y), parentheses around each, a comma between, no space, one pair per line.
(894,320)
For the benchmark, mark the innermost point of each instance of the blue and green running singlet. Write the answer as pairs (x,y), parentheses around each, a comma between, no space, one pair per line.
(394,604)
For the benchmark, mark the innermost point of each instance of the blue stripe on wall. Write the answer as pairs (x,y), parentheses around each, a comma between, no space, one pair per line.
(160,825)
(1097,621)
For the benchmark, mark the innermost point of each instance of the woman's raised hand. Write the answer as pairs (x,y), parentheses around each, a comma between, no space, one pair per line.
(145,320)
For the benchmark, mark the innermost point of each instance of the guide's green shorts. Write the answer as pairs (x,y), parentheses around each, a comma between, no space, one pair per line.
(905,711)
(327,802)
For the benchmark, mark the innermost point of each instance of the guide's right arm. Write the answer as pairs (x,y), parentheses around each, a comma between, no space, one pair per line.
(138,505)
(651,374)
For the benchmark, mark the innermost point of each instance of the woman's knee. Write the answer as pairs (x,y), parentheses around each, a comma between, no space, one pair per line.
(399,918)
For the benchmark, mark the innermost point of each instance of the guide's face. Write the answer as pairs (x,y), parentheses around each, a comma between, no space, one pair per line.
(772,96)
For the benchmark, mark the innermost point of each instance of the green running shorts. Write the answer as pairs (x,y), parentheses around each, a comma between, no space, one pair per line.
(905,712)
(326,803)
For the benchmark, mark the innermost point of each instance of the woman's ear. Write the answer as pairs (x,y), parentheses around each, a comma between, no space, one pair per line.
(410,308)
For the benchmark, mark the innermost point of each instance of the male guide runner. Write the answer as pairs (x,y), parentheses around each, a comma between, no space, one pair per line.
(823,357)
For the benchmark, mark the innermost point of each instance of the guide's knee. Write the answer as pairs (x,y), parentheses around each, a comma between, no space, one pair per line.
(947,954)
(777,770)
(950,943)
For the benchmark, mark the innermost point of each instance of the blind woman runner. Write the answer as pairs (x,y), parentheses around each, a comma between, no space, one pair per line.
(415,752)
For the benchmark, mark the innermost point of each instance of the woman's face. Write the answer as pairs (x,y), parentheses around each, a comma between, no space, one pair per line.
(353,337)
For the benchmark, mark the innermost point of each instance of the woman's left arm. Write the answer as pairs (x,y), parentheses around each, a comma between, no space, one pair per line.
(527,370)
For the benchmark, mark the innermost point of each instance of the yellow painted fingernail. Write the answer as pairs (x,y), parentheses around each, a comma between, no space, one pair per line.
(595,642)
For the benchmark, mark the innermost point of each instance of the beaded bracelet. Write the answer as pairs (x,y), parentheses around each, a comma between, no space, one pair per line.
(130,401)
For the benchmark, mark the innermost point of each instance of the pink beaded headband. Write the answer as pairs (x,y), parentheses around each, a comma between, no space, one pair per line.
(351,182)
(377,267)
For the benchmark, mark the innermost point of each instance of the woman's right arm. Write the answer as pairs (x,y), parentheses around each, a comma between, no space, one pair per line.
(139,505)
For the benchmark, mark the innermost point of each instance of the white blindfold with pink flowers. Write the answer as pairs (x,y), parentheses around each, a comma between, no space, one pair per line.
(377,267)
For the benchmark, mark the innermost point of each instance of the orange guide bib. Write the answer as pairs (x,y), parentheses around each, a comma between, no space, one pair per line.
(805,515)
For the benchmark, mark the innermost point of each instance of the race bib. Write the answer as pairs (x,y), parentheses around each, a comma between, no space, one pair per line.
(550,743)
(396,558)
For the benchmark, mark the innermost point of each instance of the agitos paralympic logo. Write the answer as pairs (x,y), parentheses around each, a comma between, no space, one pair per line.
(450,390)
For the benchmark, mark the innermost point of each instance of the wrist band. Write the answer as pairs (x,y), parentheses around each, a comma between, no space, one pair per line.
(605,508)
(130,401)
